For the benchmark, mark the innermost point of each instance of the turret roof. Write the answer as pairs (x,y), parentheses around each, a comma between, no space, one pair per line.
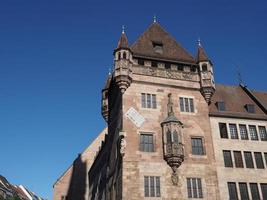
(201,54)
(123,42)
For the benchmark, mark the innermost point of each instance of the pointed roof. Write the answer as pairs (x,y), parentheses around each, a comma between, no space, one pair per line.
(171,50)
(201,54)
(123,42)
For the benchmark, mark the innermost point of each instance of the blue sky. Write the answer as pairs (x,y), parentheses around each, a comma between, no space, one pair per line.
(55,56)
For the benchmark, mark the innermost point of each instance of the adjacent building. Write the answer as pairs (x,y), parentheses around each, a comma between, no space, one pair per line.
(172,133)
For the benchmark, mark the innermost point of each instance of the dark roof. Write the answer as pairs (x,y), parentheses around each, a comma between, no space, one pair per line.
(235,99)
(143,46)
(201,54)
(262,97)
(123,41)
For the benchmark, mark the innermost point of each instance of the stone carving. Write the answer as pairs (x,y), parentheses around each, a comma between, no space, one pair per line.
(175,179)
(171,74)
(122,146)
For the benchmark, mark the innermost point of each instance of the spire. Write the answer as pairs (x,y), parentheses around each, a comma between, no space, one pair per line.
(123,42)
(201,54)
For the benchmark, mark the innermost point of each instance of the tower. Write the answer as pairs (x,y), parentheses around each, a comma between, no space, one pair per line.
(123,63)
(206,74)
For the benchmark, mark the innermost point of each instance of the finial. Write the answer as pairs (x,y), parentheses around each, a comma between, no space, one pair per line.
(239,75)
(123,29)
(154,19)
(199,42)
(109,71)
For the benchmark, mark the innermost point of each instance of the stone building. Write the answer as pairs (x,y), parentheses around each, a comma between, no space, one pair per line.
(166,118)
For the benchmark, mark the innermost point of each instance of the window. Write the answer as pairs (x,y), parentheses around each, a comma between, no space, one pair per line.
(254,191)
(263,134)
(148,100)
(180,68)
(227,159)
(250,108)
(238,159)
(223,130)
(193,69)
(204,67)
(248,159)
(253,133)
(154,64)
(220,106)
(152,186)
(124,55)
(232,191)
(243,132)
(158,47)
(233,131)
(197,146)
(259,160)
(146,142)
(265,155)
(186,104)
(141,62)
(243,188)
(194,188)
(264,190)
(167,65)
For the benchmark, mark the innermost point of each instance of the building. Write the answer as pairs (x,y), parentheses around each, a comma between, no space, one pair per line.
(172,132)
(73,183)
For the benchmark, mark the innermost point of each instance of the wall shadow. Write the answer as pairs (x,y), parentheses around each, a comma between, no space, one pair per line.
(77,186)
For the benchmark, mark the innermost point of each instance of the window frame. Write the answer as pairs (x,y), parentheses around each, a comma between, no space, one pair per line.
(201,149)
(187,104)
(243,190)
(259,160)
(248,157)
(221,106)
(262,133)
(152,186)
(148,101)
(233,131)
(254,195)
(232,190)
(243,132)
(224,135)
(142,144)
(194,187)
(253,135)
(238,159)
(228,161)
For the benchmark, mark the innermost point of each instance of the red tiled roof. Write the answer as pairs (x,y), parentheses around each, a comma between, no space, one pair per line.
(143,46)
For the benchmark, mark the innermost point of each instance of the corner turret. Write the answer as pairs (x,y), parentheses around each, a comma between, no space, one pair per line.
(123,61)
(206,73)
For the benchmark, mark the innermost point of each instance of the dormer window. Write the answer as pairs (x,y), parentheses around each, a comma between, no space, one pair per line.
(220,106)
(158,47)
(250,108)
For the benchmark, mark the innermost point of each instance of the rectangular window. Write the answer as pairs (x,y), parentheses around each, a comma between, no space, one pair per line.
(233,131)
(152,186)
(227,159)
(223,130)
(264,190)
(243,132)
(187,104)
(232,191)
(238,159)
(253,133)
(194,188)
(148,100)
(254,191)
(263,133)
(146,142)
(221,106)
(248,159)
(243,188)
(259,160)
(154,64)
(197,146)
(141,62)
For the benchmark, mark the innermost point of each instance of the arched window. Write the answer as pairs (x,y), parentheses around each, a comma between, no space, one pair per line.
(169,137)
(124,55)
(175,137)
(119,55)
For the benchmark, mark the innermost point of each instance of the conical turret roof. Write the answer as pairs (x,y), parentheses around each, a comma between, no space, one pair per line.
(123,42)
(201,54)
